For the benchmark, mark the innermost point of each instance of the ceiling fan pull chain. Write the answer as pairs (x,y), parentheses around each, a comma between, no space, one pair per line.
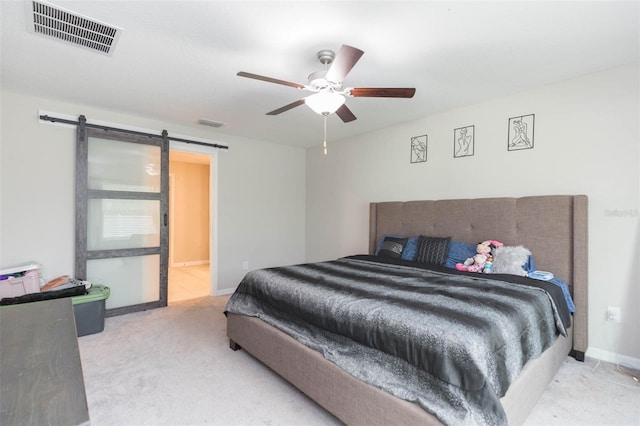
(324,143)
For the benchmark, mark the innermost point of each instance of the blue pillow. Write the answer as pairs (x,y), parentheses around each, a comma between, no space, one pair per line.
(459,252)
(530,266)
(410,249)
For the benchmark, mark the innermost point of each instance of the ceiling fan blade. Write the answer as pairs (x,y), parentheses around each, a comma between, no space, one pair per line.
(286,107)
(344,61)
(382,92)
(270,80)
(345,114)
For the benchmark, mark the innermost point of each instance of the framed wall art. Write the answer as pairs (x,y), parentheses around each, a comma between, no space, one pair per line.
(419,149)
(463,141)
(521,132)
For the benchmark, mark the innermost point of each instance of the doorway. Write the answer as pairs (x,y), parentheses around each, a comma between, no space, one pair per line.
(189,272)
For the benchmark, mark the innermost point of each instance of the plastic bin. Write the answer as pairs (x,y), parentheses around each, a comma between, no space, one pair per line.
(89,310)
(19,280)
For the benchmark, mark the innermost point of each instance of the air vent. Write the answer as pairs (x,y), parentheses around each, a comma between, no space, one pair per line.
(62,24)
(207,122)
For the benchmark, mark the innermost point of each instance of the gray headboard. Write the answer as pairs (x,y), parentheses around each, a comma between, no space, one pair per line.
(553,228)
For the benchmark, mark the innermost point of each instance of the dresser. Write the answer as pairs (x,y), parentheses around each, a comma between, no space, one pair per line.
(41,380)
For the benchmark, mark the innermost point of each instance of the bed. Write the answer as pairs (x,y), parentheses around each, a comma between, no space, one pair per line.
(553,228)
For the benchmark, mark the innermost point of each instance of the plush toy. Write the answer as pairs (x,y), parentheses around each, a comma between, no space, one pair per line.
(483,261)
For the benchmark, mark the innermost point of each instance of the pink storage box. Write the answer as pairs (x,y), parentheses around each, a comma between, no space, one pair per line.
(18,286)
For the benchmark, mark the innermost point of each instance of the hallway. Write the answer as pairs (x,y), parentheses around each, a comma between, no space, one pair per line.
(188,282)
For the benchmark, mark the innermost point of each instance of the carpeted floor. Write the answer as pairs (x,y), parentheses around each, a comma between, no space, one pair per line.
(173,366)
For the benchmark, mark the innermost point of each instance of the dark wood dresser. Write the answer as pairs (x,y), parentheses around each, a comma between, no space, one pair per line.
(41,380)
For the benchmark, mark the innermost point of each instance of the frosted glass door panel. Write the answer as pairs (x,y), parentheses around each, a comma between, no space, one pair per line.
(119,224)
(123,166)
(132,280)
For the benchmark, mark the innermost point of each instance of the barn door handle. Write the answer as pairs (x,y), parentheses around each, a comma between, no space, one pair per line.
(165,219)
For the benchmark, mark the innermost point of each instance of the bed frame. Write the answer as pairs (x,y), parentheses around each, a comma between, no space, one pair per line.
(553,227)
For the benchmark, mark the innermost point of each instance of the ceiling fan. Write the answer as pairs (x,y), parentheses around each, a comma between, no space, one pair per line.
(328,95)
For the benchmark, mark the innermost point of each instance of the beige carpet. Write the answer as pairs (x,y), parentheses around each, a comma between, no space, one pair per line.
(173,366)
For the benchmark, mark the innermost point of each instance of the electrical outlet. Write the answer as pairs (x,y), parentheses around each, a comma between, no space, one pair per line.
(613,314)
(245,265)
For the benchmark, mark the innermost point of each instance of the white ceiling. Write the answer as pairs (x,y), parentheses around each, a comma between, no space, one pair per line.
(177,60)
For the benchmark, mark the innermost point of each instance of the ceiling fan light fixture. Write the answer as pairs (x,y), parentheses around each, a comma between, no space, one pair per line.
(325,103)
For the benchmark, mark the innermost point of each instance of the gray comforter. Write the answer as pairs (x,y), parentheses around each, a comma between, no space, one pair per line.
(452,342)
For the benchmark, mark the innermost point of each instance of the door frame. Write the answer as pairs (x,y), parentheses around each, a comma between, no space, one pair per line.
(213,205)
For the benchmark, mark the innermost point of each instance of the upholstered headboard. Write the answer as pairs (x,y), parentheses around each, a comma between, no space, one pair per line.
(553,228)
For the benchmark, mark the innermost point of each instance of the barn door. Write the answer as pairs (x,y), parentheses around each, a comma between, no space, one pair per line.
(122,186)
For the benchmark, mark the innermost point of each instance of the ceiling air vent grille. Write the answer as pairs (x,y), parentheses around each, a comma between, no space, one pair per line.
(207,122)
(53,21)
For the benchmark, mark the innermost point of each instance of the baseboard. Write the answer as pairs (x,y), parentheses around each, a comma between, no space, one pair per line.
(225,292)
(613,357)
(190,263)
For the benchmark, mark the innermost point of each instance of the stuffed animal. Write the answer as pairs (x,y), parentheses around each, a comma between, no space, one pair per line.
(482,261)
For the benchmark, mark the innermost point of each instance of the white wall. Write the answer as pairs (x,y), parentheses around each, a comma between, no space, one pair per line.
(261,207)
(586,142)
(189,203)
(260,187)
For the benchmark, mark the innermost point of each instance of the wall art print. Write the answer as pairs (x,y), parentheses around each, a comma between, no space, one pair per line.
(419,149)
(521,132)
(463,141)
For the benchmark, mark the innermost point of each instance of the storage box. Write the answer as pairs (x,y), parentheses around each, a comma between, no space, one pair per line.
(19,281)
(89,310)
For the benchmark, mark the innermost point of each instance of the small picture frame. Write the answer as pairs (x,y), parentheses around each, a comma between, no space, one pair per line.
(464,141)
(521,132)
(419,149)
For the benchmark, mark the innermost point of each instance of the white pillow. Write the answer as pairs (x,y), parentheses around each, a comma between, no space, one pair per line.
(510,260)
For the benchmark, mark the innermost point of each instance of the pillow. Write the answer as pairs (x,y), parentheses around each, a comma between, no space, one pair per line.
(392,247)
(459,252)
(410,249)
(433,250)
(530,266)
(510,260)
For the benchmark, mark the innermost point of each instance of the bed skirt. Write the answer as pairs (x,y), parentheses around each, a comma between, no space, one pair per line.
(357,403)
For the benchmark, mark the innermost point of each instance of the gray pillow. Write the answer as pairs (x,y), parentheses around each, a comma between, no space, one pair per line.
(510,260)
(433,250)
(392,247)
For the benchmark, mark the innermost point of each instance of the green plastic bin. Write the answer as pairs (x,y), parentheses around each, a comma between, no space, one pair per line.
(89,310)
